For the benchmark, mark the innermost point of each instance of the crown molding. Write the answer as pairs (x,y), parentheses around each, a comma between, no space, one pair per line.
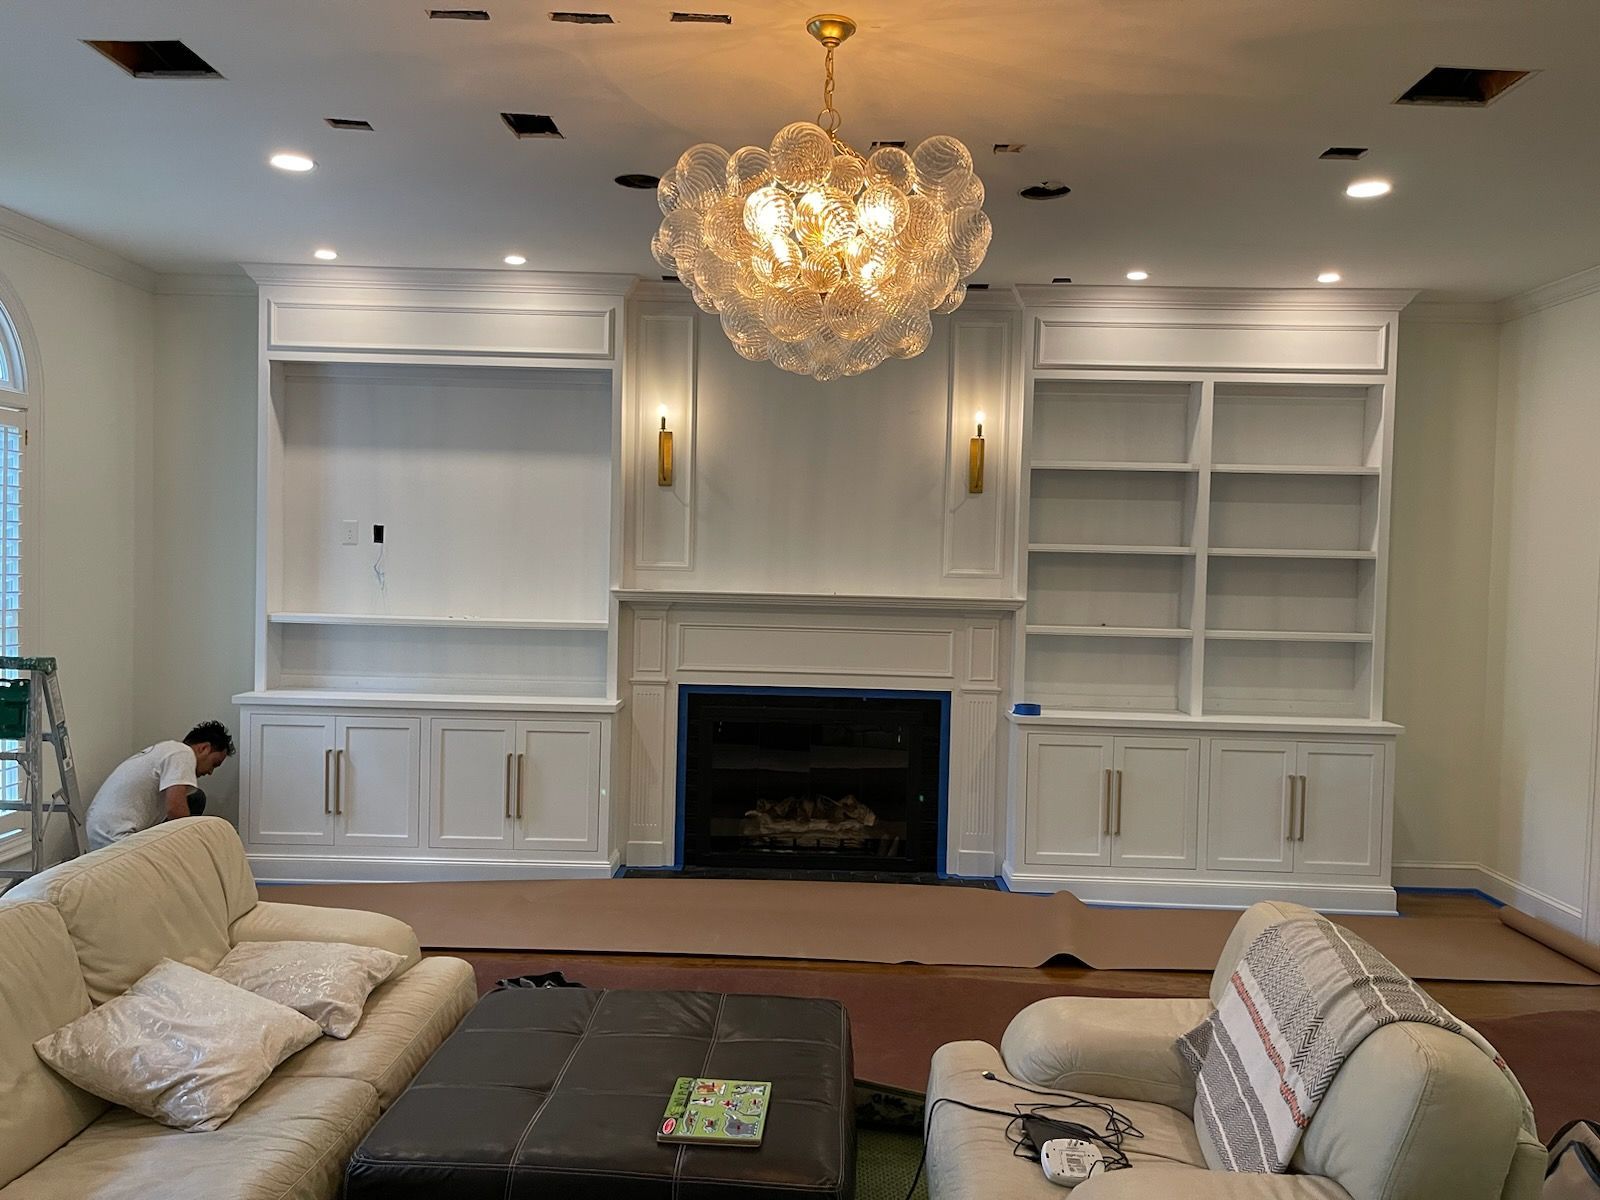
(1234,299)
(1453,312)
(1560,291)
(434,279)
(58,244)
(204,284)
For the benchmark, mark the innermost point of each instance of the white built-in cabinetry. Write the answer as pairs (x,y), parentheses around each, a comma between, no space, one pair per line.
(1205,542)
(440,702)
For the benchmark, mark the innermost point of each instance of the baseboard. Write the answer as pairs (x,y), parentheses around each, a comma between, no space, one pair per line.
(290,868)
(648,854)
(1374,898)
(1496,885)
(971,864)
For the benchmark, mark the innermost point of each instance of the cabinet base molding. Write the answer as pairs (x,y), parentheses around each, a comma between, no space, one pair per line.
(288,868)
(1368,898)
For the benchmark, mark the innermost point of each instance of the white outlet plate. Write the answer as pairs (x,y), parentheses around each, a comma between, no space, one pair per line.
(349,533)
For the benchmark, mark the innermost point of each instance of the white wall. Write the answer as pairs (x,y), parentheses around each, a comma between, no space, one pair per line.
(195,648)
(1435,683)
(1546,603)
(90,371)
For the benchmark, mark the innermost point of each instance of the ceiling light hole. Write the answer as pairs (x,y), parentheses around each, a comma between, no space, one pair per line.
(1050,189)
(641,182)
(156,60)
(700,18)
(1009,147)
(457,14)
(531,125)
(348,123)
(1329,277)
(897,143)
(1138,276)
(514,260)
(1367,189)
(295,164)
(1062,279)
(582,18)
(325,253)
(1344,153)
(1461,87)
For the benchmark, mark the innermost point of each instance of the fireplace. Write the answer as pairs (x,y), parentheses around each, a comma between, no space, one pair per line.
(812,779)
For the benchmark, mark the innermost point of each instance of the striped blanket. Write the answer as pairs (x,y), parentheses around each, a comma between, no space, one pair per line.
(1303,997)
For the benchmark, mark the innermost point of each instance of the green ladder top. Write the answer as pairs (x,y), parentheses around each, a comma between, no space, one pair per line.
(27,664)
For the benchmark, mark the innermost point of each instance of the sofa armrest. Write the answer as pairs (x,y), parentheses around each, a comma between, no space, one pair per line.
(1152,1181)
(1105,1047)
(270,922)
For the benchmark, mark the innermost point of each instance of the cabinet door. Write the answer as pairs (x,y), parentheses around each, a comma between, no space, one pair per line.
(1155,802)
(377,780)
(1068,802)
(470,776)
(1341,808)
(1248,805)
(290,799)
(556,795)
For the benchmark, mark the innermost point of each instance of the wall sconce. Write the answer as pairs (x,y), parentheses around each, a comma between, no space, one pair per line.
(975,461)
(664,451)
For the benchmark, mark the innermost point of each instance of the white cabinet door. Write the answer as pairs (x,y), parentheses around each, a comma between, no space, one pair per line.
(377,780)
(290,779)
(1068,802)
(1155,802)
(471,768)
(1248,805)
(1341,808)
(556,795)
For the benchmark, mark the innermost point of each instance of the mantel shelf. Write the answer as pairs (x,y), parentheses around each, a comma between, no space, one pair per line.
(1275,469)
(316,618)
(1248,552)
(1177,720)
(1081,548)
(723,599)
(1118,631)
(336,698)
(1101,465)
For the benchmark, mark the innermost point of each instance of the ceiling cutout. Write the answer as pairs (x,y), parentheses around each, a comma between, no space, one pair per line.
(1009,147)
(688,18)
(531,125)
(899,144)
(156,60)
(1344,153)
(457,14)
(1062,279)
(977,287)
(1461,87)
(639,181)
(348,123)
(1050,189)
(582,18)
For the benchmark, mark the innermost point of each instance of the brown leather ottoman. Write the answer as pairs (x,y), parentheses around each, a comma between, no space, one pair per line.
(557,1092)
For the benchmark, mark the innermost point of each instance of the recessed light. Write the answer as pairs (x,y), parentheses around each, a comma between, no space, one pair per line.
(514,260)
(1329,277)
(325,254)
(1138,276)
(1366,189)
(285,161)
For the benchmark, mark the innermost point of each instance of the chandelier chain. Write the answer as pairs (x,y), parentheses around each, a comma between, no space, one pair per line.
(829,117)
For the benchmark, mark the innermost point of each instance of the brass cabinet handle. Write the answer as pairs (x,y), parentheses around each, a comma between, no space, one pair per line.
(520,758)
(338,783)
(1116,827)
(327,804)
(1303,791)
(1288,808)
(1105,804)
(509,757)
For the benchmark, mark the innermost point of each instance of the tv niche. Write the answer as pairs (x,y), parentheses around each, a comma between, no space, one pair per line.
(813,781)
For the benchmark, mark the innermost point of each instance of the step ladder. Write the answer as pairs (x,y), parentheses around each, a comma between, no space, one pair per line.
(31,714)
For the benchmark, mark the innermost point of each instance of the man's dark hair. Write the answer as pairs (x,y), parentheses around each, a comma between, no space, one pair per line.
(213,733)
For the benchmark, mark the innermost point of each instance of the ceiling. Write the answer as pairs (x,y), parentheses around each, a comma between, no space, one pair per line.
(1188,130)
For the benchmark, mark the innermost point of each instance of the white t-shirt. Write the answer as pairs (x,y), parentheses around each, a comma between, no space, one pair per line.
(130,798)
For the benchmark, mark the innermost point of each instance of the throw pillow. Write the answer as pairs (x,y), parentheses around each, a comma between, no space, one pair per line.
(326,981)
(179,1046)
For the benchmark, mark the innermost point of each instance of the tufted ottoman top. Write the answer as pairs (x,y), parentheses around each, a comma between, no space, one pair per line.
(558,1093)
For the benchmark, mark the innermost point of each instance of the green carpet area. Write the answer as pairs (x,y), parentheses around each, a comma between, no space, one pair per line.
(888,1142)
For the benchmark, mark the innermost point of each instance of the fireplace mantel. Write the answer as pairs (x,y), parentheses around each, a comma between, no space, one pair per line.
(896,643)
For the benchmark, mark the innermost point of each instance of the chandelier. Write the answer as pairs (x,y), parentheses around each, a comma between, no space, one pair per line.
(817,258)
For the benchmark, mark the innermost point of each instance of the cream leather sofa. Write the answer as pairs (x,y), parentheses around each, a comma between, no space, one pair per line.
(82,932)
(1415,1113)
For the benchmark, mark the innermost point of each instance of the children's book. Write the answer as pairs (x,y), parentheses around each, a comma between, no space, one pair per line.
(716,1112)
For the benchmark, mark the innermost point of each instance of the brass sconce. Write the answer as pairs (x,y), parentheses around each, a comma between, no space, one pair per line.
(975,461)
(664,451)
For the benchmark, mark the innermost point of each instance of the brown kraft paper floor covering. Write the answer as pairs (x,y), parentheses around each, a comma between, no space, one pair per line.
(890,923)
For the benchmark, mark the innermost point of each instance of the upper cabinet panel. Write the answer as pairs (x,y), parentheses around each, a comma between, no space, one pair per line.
(438,326)
(1212,341)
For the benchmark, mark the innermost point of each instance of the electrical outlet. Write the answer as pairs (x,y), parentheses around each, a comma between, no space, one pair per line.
(349,533)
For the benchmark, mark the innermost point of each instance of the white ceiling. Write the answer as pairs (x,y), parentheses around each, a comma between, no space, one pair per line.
(1188,129)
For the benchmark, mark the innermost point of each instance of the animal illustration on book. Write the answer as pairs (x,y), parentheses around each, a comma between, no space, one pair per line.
(737,1128)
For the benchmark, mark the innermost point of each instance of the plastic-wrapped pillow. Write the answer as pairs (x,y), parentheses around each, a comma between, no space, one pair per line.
(179,1046)
(326,981)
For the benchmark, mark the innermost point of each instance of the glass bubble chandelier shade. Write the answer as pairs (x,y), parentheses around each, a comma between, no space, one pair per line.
(818,259)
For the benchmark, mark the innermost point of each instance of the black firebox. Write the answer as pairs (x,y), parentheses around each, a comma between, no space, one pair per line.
(813,780)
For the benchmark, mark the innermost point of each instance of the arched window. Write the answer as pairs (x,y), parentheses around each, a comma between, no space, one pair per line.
(13,443)
(13,373)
